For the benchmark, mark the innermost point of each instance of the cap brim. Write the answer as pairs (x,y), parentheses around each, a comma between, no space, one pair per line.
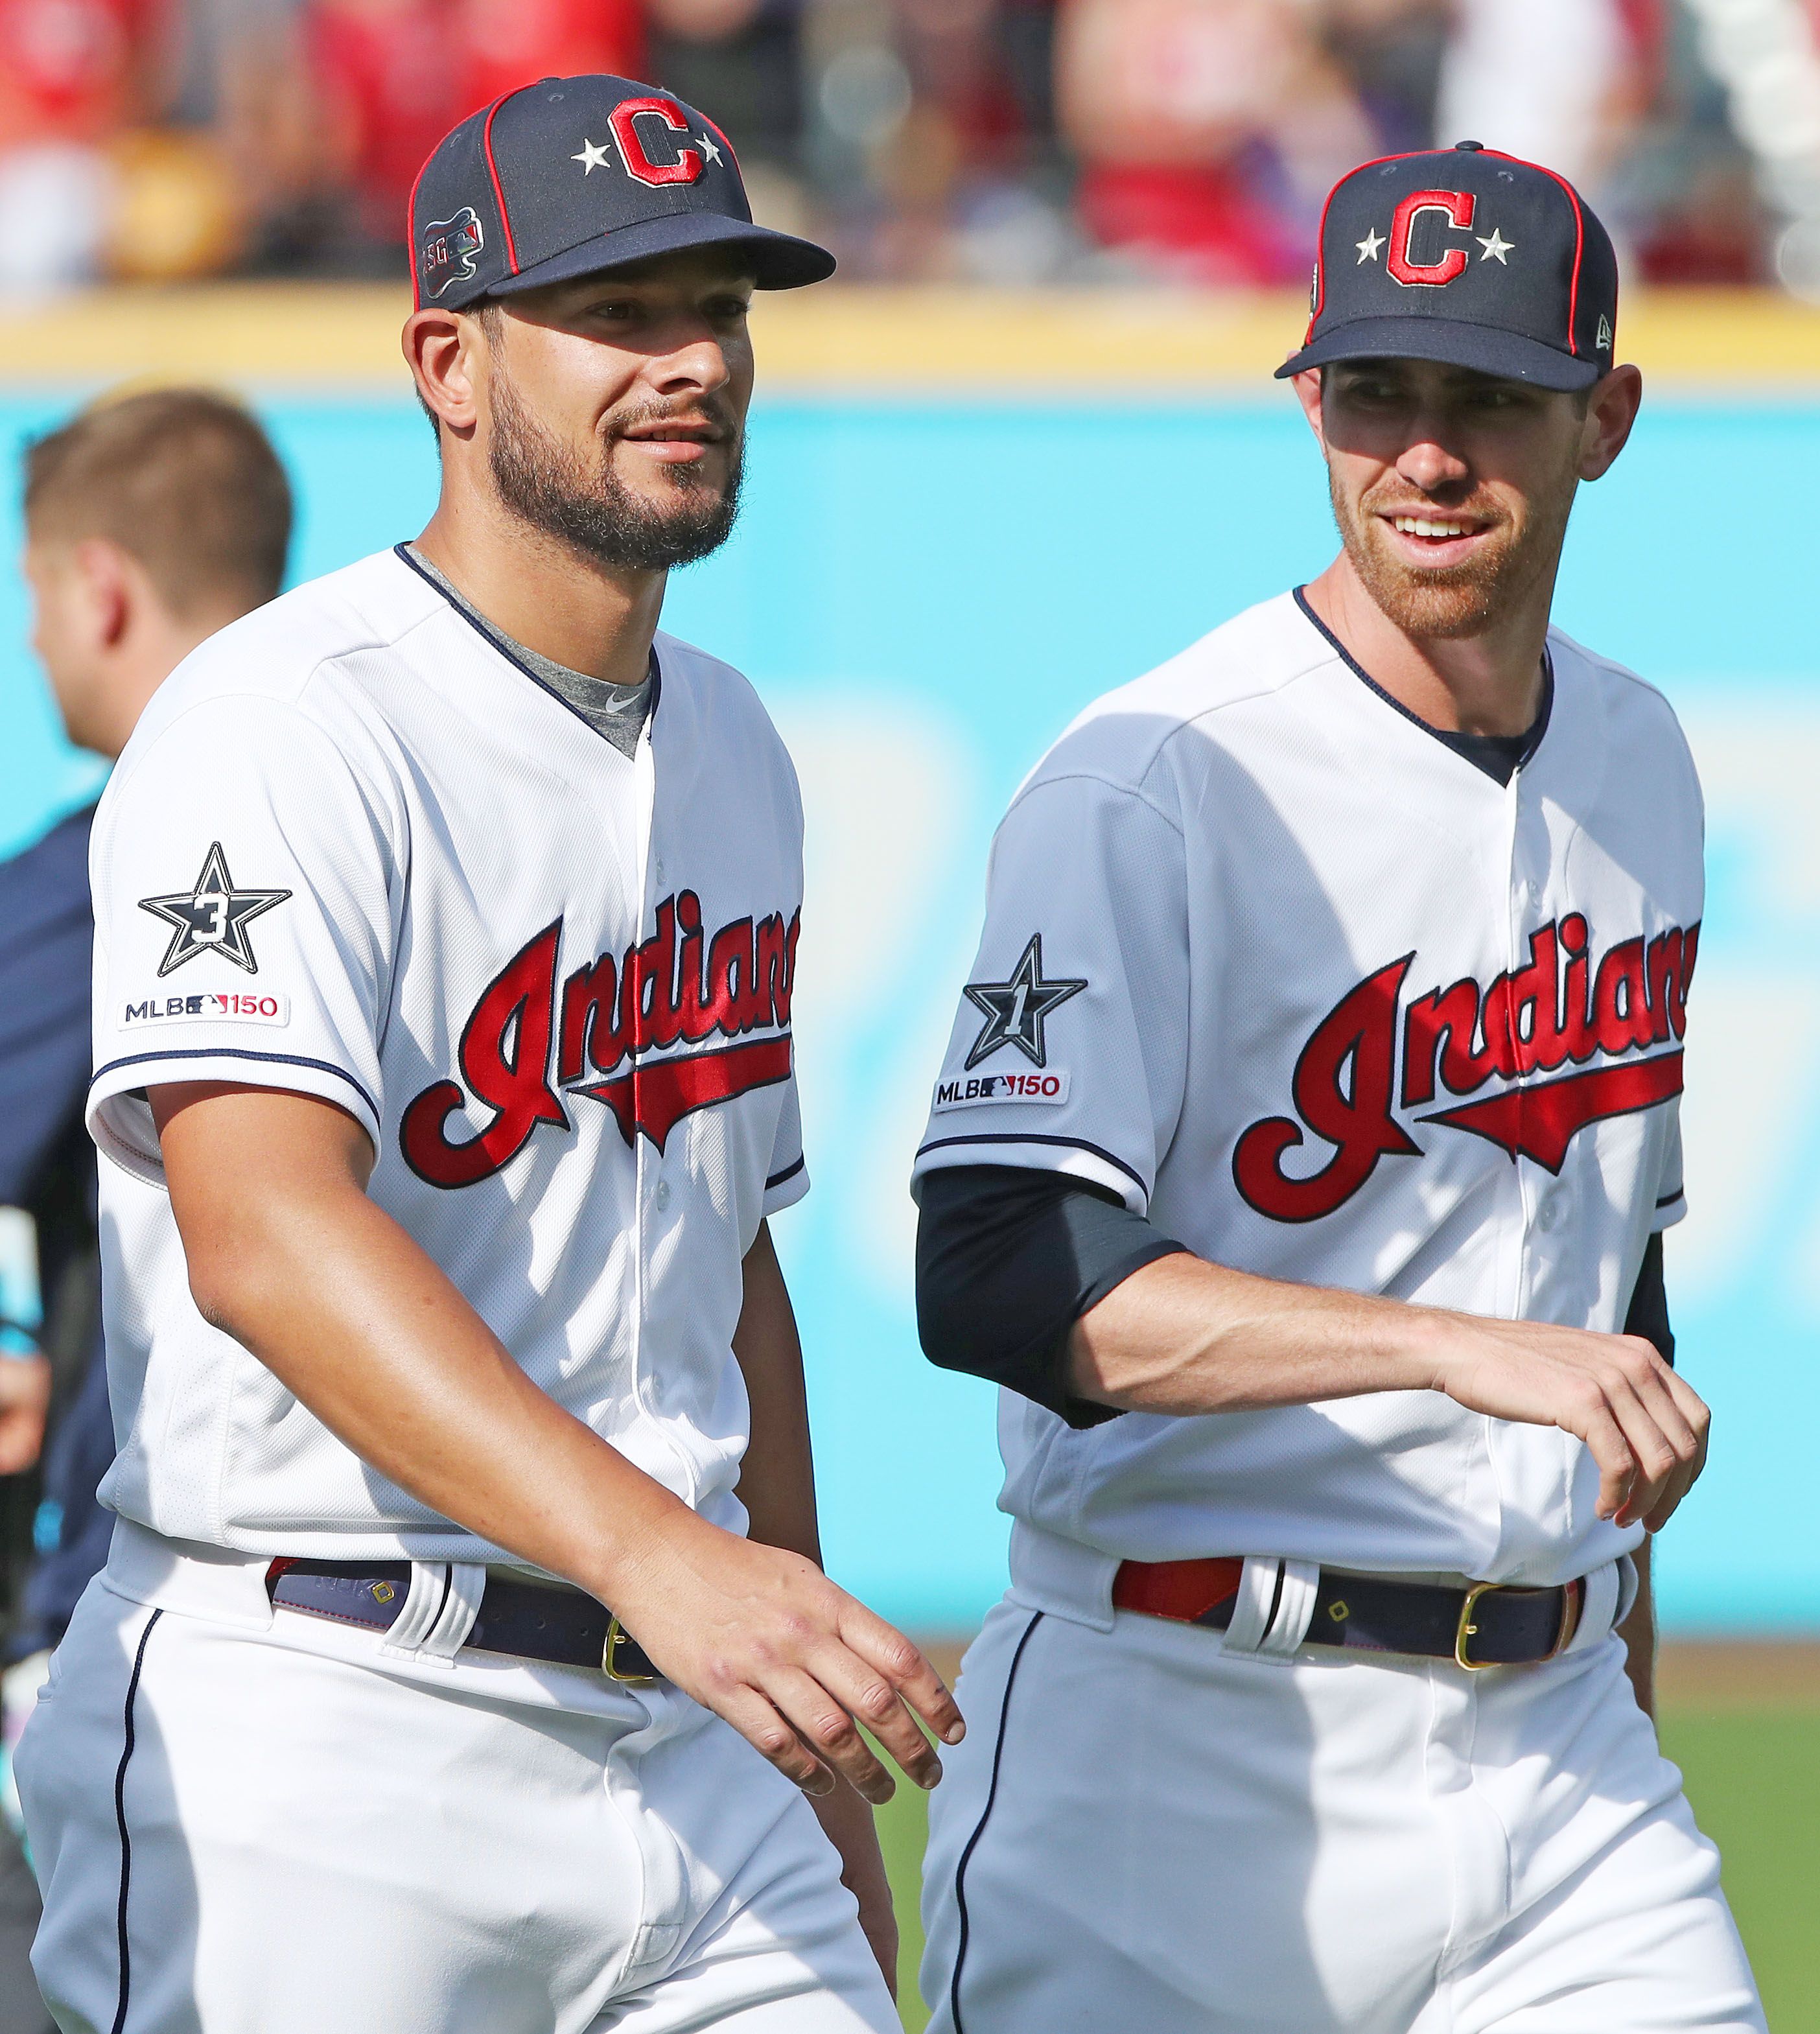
(1485,348)
(776,261)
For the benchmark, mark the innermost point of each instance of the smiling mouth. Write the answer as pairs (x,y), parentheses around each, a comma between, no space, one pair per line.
(1432,526)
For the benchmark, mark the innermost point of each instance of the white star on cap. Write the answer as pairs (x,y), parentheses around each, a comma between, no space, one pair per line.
(1496,248)
(709,150)
(1368,247)
(592,157)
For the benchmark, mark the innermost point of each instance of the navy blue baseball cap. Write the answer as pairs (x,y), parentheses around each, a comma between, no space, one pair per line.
(571,176)
(1469,257)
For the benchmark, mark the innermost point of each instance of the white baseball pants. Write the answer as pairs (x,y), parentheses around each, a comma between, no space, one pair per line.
(251,1823)
(1142,1832)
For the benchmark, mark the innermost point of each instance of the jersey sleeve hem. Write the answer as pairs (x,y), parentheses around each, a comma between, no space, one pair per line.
(119,1118)
(1066,1155)
(1670,1209)
(784,1189)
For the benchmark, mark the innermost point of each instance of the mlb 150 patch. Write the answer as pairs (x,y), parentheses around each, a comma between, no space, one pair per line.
(971,1090)
(206,1007)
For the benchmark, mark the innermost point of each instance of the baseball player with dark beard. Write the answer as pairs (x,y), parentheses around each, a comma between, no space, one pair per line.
(1299,1164)
(462,1659)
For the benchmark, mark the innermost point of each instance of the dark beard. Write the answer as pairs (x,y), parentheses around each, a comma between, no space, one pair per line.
(1462,601)
(585,506)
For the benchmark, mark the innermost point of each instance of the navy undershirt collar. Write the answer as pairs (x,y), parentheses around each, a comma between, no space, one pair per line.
(1499,755)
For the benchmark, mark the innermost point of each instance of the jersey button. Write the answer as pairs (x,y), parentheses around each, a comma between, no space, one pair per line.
(1548,1217)
(662,1197)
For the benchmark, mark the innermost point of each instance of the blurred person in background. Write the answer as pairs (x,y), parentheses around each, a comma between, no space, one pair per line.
(1208,131)
(1562,82)
(151,522)
(74,74)
(391,77)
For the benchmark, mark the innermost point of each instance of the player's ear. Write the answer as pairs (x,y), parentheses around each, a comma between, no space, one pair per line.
(1308,387)
(106,583)
(1612,406)
(440,348)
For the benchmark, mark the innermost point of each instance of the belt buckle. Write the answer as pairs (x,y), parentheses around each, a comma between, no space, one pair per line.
(616,1636)
(1467,1629)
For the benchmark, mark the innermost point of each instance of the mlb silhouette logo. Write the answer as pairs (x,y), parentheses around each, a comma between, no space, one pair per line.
(449,248)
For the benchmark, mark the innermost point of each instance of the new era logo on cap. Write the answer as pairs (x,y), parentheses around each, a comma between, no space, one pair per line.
(1467,256)
(572,176)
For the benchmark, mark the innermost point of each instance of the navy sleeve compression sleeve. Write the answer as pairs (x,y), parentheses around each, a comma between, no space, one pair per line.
(1648,1311)
(1008,1258)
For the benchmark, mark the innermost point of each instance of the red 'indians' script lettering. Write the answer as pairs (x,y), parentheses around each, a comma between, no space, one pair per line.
(677,987)
(1538,1018)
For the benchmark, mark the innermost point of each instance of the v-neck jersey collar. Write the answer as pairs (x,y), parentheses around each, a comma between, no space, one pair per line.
(402,553)
(1538,728)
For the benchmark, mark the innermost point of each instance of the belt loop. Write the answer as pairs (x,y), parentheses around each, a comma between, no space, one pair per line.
(466,1585)
(423,1607)
(1251,1608)
(1295,1607)
(1610,1592)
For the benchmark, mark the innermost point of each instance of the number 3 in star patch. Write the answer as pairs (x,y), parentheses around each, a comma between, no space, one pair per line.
(212,916)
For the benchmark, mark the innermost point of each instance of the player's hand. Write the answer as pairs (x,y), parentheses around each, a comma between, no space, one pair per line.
(763,1638)
(1647,1427)
(24,1397)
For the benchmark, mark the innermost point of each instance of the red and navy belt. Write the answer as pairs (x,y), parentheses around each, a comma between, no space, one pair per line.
(524,1620)
(1488,1624)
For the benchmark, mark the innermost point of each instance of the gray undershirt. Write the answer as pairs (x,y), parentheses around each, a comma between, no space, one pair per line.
(617,713)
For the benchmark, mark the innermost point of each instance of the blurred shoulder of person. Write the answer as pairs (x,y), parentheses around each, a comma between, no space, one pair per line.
(151,522)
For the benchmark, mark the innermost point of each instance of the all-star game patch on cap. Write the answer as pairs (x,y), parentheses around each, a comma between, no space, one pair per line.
(571,176)
(1469,257)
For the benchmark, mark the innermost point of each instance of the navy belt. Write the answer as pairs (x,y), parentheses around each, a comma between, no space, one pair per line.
(1487,1625)
(522,1619)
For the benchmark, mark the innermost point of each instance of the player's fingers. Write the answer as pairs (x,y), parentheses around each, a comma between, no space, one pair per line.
(883,1646)
(871,1699)
(1655,1454)
(758,1721)
(1655,1383)
(825,1726)
(1599,1428)
(1677,1487)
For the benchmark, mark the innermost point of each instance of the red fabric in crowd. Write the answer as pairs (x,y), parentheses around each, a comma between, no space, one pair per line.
(397,74)
(68,68)
(1206,221)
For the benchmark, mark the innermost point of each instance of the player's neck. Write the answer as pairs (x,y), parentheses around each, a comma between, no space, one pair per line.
(1490,683)
(590,617)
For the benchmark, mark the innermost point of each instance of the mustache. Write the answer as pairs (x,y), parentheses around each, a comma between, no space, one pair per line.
(716,412)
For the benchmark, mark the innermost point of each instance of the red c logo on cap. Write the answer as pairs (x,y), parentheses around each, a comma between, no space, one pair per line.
(1459,206)
(624,120)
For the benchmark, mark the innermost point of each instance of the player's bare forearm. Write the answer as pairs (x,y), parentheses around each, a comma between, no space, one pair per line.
(286,1253)
(1184,1336)
(777,1476)
(1638,1633)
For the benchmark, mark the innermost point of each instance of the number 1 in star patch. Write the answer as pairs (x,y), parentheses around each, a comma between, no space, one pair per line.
(1015,1011)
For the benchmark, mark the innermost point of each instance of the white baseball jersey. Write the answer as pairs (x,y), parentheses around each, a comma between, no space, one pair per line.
(1272,961)
(355,851)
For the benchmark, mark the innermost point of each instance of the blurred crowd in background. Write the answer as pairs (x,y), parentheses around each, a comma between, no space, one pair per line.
(1010,141)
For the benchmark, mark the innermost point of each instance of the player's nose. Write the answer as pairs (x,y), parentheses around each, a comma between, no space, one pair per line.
(694,361)
(1426,462)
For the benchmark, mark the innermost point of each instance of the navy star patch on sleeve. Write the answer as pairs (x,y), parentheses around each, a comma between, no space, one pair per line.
(1015,1011)
(212,917)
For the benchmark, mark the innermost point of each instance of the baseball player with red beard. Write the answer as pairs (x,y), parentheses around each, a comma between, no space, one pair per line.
(464,1659)
(1299,1164)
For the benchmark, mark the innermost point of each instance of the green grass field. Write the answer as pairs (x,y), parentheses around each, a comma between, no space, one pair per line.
(1742,1723)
